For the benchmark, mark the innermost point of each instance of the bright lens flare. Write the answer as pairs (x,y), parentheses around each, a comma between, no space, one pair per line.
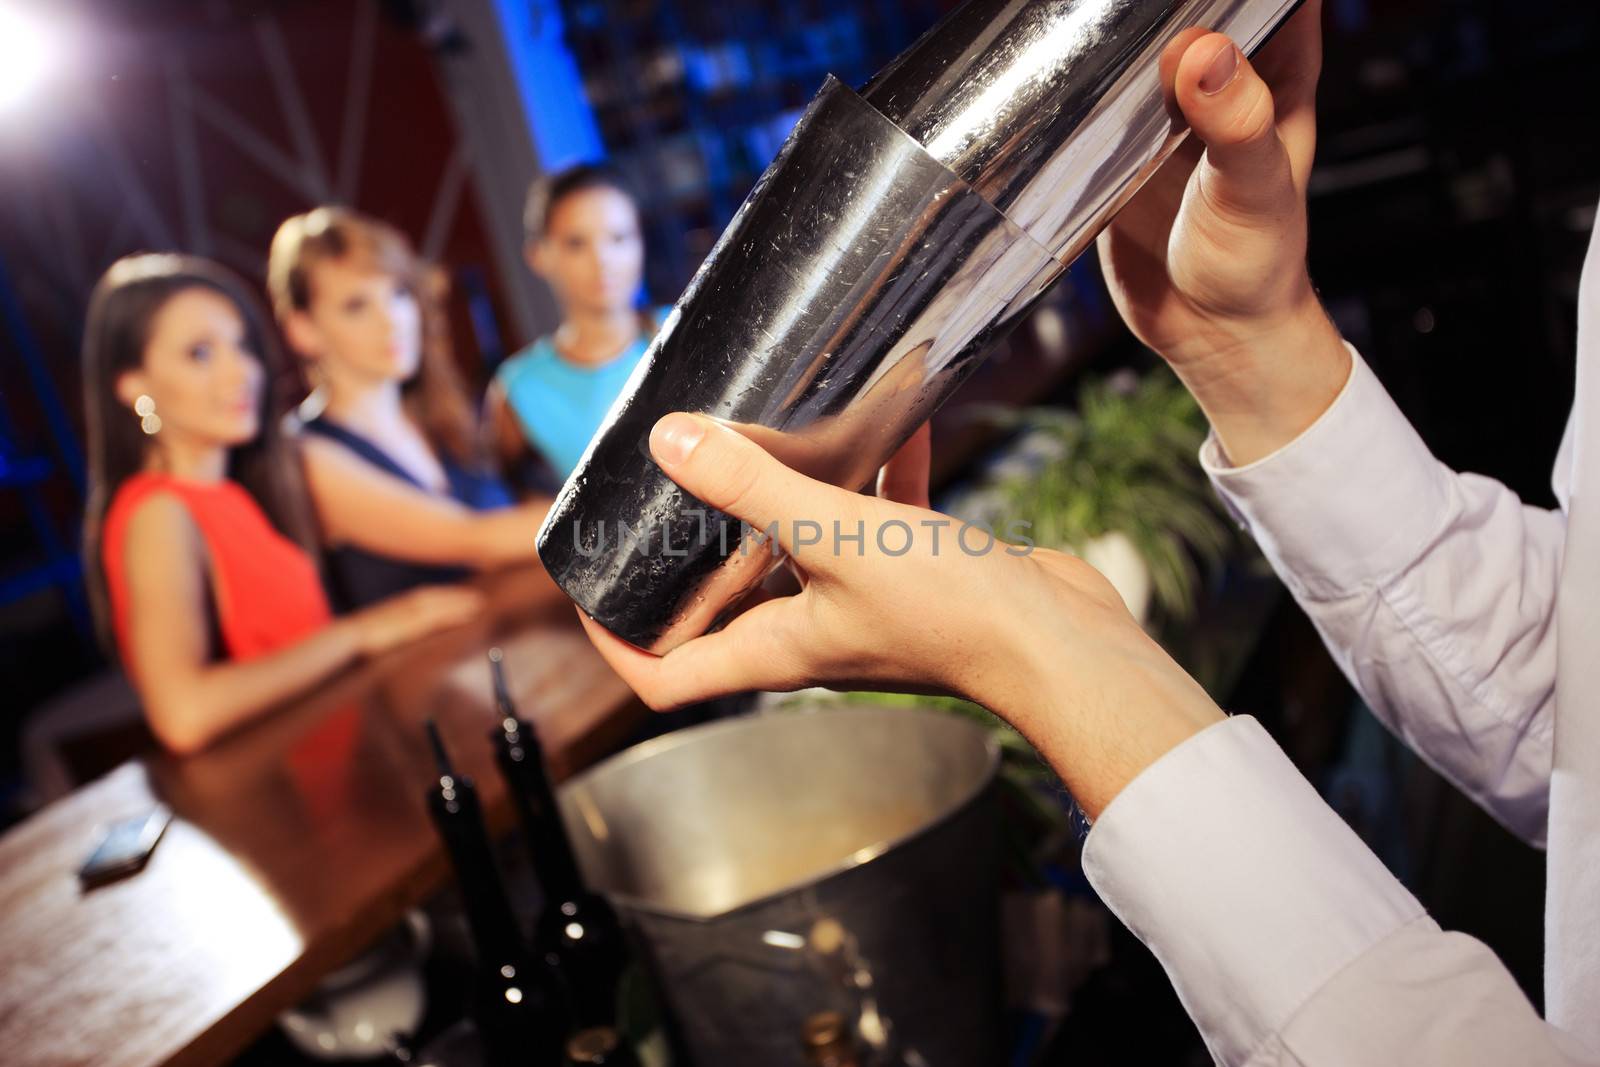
(28,52)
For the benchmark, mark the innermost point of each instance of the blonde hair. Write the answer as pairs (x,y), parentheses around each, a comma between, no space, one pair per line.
(435,396)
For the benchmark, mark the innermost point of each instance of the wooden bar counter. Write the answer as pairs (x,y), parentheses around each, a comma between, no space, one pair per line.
(296,843)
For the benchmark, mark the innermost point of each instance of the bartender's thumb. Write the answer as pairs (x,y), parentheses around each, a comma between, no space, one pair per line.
(723,468)
(1245,173)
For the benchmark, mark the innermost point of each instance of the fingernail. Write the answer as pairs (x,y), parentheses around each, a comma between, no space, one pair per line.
(1221,71)
(673,438)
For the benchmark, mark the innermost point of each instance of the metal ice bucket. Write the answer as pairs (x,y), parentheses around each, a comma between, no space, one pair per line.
(741,852)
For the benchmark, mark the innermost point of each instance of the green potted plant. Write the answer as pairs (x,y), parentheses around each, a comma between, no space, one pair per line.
(1117,482)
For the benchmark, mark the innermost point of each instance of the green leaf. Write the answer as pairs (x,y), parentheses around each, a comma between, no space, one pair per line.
(1126,460)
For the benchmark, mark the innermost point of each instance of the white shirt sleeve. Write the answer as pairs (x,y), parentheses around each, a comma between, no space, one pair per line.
(1286,939)
(1435,591)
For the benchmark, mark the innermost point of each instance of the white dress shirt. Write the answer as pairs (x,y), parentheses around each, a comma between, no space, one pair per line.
(1470,623)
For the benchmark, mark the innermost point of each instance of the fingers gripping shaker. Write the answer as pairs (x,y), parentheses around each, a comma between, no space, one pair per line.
(897,236)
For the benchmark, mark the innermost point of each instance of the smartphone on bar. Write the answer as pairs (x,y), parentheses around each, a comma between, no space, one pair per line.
(125,847)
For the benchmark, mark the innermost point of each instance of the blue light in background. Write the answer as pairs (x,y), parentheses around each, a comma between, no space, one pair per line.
(563,126)
(1351,15)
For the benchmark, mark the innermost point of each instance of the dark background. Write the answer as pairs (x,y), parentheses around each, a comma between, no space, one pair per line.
(1458,173)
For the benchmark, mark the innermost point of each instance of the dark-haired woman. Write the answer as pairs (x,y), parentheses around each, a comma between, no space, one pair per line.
(583,238)
(198,531)
(399,471)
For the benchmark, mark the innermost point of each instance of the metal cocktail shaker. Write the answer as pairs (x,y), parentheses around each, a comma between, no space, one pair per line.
(896,237)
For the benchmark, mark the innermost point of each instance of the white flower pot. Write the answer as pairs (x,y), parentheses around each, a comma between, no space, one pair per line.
(1114,555)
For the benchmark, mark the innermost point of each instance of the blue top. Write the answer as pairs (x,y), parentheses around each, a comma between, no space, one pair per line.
(357,577)
(559,404)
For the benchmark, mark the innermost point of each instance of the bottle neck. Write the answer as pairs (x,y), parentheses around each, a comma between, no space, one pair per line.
(459,817)
(522,762)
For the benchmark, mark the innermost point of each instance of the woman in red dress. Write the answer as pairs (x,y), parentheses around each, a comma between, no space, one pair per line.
(198,531)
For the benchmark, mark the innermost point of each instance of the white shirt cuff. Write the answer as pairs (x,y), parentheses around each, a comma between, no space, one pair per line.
(1248,888)
(1349,502)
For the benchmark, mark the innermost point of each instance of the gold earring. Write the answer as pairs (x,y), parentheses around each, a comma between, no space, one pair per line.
(145,407)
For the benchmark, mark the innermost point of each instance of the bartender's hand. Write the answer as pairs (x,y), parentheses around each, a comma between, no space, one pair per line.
(1208,262)
(1040,637)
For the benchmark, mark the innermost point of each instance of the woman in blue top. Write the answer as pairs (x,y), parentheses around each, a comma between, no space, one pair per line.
(399,471)
(584,240)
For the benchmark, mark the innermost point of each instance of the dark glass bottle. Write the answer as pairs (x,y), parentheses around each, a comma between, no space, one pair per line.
(516,998)
(577,927)
(599,1046)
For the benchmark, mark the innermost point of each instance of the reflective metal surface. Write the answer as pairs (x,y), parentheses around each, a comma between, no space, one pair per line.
(860,283)
(723,847)
(1053,111)
(868,273)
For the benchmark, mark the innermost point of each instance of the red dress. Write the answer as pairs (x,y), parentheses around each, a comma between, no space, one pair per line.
(265,588)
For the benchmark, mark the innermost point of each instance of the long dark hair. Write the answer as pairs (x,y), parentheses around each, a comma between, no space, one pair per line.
(434,396)
(122,308)
(547,193)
